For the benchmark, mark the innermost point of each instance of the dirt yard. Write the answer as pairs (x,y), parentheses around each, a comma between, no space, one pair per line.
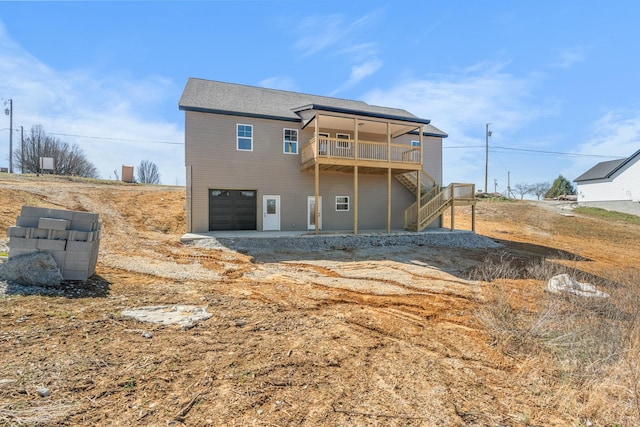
(336,338)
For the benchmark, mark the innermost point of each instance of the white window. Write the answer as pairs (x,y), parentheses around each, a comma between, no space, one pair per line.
(342,203)
(244,135)
(415,143)
(290,141)
(343,144)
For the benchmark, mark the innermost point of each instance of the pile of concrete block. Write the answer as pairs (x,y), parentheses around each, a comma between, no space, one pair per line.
(71,237)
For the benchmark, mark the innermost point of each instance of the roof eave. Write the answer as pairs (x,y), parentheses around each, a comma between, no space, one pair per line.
(624,163)
(238,113)
(362,113)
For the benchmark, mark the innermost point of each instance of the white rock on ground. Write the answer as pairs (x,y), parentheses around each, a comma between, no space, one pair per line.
(565,284)
(182,315)
(35,269)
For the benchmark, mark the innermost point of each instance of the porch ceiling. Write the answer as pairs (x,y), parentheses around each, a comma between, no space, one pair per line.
(364,125)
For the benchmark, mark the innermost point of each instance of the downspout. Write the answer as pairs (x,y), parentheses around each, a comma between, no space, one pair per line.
(389,178)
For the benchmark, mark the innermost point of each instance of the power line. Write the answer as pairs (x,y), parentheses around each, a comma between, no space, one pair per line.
(493,148)
(527,150)
(110,139)
(496,149)
(116,139)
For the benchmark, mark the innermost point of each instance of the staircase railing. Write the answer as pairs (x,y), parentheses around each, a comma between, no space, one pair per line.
(419,218)
(410,180)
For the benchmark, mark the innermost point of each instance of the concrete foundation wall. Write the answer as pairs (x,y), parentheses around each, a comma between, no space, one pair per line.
(624,206)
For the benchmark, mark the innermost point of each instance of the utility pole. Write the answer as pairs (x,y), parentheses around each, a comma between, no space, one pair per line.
(9,112)
(487,134)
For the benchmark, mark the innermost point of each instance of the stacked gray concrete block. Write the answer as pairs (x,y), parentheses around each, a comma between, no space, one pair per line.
(71,237)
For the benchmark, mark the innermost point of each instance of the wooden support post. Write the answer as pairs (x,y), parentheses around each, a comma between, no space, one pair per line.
(316,135)
(389,201)
(355,199)
(473,208)
(473,218)
(453,204)
(317,195)
(355,176)
(355,137)
(418,198)
(421,130)
(388,141)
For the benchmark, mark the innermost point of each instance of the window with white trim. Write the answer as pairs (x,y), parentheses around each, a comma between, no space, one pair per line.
(415,143)
(343,144)
(342,203)
(244,134)
(290,141)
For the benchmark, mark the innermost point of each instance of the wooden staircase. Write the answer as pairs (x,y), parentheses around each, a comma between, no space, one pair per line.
(428,186)
(434,200)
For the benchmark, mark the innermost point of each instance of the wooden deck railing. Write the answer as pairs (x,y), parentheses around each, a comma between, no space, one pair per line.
(366,150)
(432,207)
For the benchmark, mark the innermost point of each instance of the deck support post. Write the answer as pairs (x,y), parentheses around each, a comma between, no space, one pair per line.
(389,201)
(356,125)
(317,196)
(453,204)
(421,130)
(473,217)
(418,199)
(355,199)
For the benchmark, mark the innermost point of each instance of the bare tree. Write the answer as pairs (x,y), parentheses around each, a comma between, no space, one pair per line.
(148,173)
(540,189)
(68,159)
(523,189)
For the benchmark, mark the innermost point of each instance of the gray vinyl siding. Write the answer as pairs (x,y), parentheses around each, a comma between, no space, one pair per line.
(213,162)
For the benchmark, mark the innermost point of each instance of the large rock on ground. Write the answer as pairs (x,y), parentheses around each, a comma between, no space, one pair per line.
(35,269)
(181,315)
(565,284)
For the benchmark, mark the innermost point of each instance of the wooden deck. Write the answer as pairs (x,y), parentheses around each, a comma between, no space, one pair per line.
(370,157)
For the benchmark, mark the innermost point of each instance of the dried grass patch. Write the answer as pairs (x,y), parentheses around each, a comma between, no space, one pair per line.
(584,354)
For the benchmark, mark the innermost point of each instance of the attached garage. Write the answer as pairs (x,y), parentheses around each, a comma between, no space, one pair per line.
(232,210)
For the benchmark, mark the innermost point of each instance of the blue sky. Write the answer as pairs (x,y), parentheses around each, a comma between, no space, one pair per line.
(557,80)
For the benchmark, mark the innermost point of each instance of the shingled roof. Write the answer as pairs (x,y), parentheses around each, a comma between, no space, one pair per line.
(605,170)
(250,101)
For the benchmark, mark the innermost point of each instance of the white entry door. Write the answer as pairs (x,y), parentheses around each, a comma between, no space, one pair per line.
(311,213)
(270,213)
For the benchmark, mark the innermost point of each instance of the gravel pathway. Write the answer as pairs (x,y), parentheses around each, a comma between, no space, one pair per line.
(312,243)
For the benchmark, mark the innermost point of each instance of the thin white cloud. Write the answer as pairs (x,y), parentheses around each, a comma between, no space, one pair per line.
(464,101)
(567,58)
(461,103)
(337,34)
(86,103)
(366,62)
(320,32)
(279,82)
(616,133)
(358,73)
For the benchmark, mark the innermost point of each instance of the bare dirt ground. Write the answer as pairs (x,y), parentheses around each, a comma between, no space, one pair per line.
(319,339)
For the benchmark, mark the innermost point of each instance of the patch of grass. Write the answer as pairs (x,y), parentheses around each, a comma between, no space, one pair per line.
(494,197)
(609,215)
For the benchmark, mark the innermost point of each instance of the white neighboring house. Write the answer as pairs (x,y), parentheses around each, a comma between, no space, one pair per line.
(612,185)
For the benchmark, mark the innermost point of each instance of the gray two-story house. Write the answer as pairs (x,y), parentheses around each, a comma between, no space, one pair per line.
(265,159)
